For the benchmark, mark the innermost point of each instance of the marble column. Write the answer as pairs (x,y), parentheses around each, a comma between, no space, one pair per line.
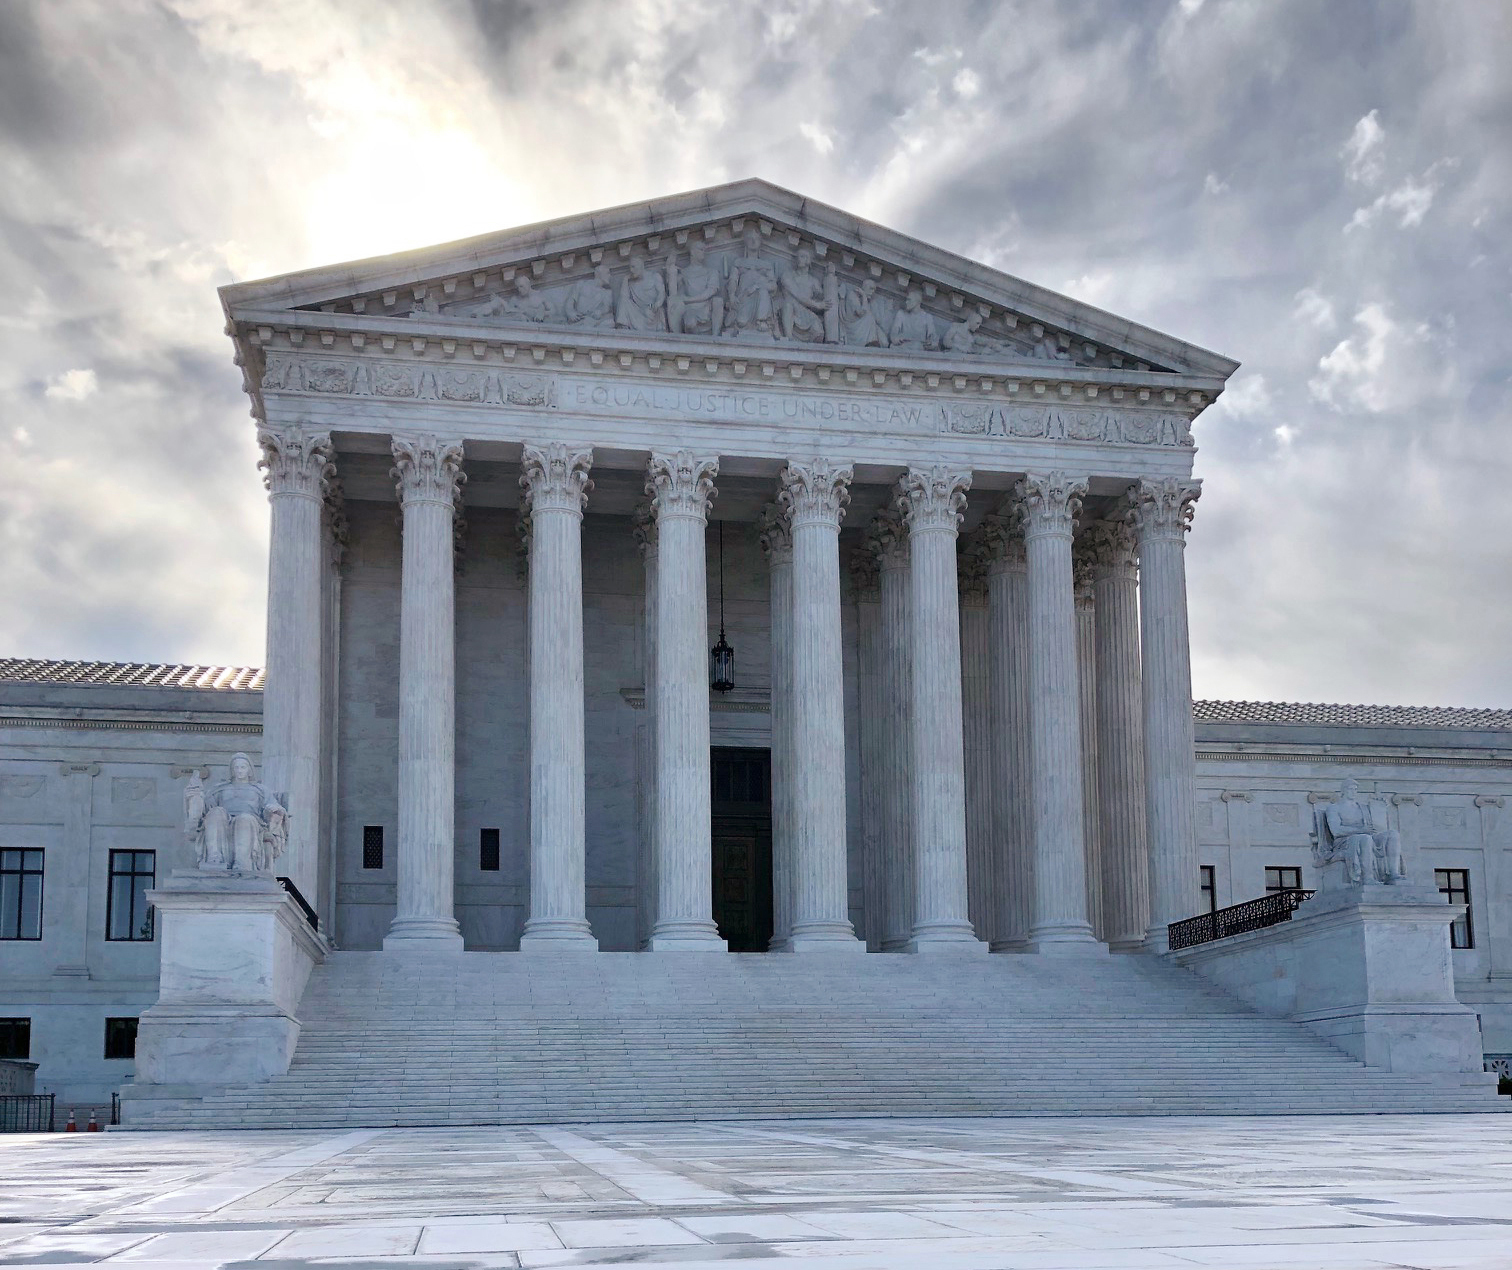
(1087,692)
(814,494)
(680,486)
(1162,512)
(1049,503)
(888,539)
(428,471)
(554,478)
(1120,737)
(644,532)
(931,500)
(297,465)
(865,592)
(777,543)
(976,723)
(1012,769)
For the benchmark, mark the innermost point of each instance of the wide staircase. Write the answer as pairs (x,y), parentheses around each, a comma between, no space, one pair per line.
(508,1038)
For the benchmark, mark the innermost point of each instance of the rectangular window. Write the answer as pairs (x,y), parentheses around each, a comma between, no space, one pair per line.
(1283,879)
(1454,886)
(372,846)
(488,850)
(128,917)
(15,1038)
(1209,890)
(120,1038)
(20,893)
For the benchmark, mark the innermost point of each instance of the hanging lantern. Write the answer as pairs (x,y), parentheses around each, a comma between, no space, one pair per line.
(721,656)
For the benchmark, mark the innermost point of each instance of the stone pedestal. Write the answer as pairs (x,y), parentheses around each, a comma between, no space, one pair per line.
(1367,967)
(236,953)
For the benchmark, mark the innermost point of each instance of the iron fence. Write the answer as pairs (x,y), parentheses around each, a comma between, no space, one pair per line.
(1270,909)
(26,1113)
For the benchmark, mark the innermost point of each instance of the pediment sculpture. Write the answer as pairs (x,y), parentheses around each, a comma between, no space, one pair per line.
(753,290)
(1352,832)
(235,825)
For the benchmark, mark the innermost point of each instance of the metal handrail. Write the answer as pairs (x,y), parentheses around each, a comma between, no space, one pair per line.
(304,905)
(26,1113)
(1268,910)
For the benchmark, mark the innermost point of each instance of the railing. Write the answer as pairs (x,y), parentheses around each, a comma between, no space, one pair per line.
(1278,906)
(26,1113)
(304,904)
(115,1108)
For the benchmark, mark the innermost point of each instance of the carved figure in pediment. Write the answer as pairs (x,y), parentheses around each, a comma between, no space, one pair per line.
(525,305)
(1049,350)
(752,285)
(642,299)
(590,302)
(694,303)
(912,327)
(963,338)
(803,306)
(863,319)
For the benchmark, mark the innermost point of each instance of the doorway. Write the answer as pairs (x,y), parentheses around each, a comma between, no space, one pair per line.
(742,837)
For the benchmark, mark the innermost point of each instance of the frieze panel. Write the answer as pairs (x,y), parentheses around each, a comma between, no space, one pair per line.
(417,382)
(1066,423)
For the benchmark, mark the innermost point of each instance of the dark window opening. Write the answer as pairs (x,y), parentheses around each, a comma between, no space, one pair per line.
(120,1038)
(128,916)
(1454,886)
(20,893)
(1209,890)
(15,1038)
(488,850)
(372,846)
(1282,879)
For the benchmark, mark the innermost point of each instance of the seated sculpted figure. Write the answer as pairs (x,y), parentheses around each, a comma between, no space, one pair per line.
(1354,830)
(863,321)
(591,301)
(694,303)
(912,327)
(803,304)
(962,337)
(235,825)
(642,299)
(525,305)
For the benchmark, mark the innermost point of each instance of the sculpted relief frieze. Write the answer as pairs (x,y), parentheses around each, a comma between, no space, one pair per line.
(717,403)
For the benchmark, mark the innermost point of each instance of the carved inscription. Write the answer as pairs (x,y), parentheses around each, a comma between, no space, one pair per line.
(732,405)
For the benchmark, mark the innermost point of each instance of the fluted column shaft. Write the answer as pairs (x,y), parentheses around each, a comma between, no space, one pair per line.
(680,486)
(1088,689)
(777,542)
(645,538)
(1012,768)
(1049,504)
(555,480)
(976,728)
(889,536)
(1162,512)
(814,495)
(1120,738)
(297,465)
(429,476)
(932,500)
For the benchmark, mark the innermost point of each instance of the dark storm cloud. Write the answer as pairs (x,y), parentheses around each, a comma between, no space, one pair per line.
(1319,190)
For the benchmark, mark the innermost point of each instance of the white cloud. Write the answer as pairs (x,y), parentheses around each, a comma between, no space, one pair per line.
(73,385)
(1351,373)
(1314,309)
(22,436)
(1213,185)
(967,82)
(1362,152)
(1190,8)
(1410,200)
(821,140)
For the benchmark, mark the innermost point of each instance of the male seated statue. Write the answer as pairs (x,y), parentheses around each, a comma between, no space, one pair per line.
(1354,830)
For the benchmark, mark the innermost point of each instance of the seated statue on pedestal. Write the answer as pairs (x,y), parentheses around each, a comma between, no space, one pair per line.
(1353,830)
(235,825)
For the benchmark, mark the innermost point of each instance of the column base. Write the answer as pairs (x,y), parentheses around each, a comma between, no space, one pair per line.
(686,936)
(824,943)
(423,934)
(1066,941)
(953,940)
(558,934)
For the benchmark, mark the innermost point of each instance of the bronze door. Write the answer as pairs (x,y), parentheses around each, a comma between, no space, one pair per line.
(742,824)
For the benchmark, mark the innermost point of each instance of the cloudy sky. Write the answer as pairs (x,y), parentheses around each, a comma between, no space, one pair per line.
(1318,189)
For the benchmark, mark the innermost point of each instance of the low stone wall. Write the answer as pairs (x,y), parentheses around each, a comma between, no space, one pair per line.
(1367,968)
(17,1077)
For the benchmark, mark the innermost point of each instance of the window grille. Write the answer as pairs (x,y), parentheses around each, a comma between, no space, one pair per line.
(372,846)
(488,850)
(128,916)
(20,893)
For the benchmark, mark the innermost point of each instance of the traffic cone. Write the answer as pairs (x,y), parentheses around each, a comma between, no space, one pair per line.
(70,1127)
(93,1126)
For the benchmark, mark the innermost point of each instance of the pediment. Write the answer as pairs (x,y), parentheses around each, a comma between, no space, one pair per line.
(744,265)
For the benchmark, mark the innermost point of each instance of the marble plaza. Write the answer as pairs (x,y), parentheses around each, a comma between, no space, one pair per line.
(1405,1193)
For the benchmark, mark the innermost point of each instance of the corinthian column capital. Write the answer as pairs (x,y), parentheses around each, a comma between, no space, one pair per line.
(932,498)
(815,492)
(643,530)
(554,477)
(1003,544)
(1049,502)
(776,534)
(887,539)
(681,484)
(1113,547)
(1163,507)
(295,461)
(427,469)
